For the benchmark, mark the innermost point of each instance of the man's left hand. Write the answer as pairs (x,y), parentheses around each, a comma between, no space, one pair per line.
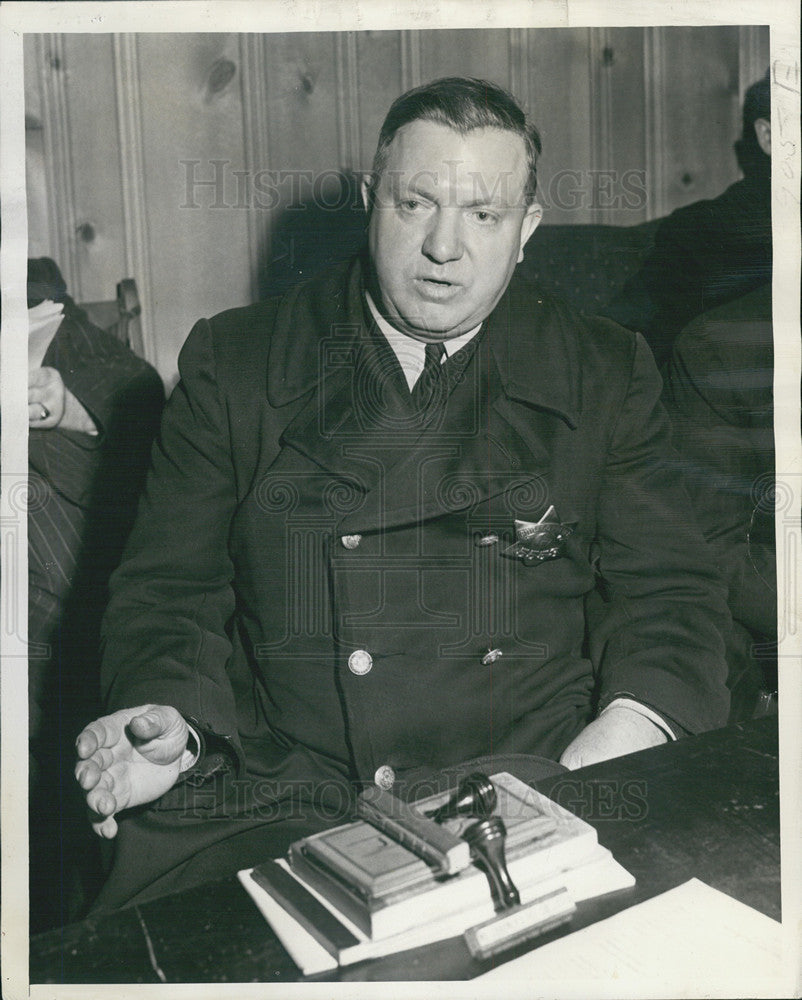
(618,730)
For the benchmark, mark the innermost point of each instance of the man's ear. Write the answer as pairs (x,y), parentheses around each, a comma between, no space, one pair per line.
(367,188)
(763,134)
(531,221)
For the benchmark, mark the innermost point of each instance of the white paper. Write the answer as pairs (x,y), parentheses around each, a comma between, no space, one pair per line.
(308,955)
(43,321)
(691,941)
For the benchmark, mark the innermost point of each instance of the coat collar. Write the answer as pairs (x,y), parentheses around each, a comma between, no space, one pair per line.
(534,340)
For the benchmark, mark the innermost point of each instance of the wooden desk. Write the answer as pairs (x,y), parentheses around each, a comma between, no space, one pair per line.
(705,807)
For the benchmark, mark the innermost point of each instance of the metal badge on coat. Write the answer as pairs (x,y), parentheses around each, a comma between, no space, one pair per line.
(539,541)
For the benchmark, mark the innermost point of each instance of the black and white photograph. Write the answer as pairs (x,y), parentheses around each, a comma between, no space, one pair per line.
(401,499)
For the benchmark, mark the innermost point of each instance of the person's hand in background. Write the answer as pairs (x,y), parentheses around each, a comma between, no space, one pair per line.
(51,404)
(46,398)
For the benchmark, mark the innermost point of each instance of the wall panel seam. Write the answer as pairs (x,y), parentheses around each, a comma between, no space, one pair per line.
(348,130)
(601,123)
(517,46)
(59,159)
(410,59)
(256,131)
(136,242)
(654,120)
(749,65)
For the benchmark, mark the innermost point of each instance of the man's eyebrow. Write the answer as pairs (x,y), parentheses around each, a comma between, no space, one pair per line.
(416,189)
(483,202)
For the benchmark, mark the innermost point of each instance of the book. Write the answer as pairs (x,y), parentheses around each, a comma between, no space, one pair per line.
(382,888)
(313,951)
(407,825)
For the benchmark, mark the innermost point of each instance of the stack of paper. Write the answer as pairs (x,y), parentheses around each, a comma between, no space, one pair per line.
(692,941)
(322,926)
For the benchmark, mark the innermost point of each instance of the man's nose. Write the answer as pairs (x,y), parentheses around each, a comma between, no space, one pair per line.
(443,240)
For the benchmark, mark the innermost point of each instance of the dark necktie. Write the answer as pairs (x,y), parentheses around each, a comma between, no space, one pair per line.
(426,390)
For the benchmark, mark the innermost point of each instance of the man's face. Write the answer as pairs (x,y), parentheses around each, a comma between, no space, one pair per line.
(447,226)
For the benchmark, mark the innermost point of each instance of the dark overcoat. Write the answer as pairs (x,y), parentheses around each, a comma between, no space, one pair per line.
(317,577)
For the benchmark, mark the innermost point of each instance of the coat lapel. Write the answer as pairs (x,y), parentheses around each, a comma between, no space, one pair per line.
(355,403)
(354,420)
(480,448)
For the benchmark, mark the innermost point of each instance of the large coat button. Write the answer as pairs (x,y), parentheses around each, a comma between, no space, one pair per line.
(351,541)
(384,777)
(360,662)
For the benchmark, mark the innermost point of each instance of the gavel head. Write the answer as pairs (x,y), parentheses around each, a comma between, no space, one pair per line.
(475,796)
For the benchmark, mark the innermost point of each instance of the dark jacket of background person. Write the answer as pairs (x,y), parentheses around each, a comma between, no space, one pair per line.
(719,395)
(85,487)
(710,252)
(704,255)
(83,495)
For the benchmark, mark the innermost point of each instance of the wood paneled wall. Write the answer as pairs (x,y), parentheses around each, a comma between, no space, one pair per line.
(124,129)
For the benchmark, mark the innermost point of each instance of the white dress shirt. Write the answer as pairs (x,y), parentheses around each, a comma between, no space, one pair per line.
(411,353)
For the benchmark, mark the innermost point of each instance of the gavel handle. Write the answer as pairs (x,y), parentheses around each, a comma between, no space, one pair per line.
(486,839)
(502,888)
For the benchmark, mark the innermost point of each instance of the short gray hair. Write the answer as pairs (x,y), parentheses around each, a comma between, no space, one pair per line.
(463,104)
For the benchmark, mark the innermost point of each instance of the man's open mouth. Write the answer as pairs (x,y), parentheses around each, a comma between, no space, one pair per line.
(429,282)
(437,289)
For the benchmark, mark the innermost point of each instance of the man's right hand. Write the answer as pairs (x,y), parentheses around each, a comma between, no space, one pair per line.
(129,758)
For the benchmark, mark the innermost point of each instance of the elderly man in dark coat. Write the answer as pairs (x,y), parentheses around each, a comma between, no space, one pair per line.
(379,509)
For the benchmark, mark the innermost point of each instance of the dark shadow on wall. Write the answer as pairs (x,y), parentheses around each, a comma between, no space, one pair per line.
(313,234)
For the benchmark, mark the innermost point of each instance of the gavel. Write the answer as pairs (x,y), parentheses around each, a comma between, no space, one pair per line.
(475,796)
(486,839)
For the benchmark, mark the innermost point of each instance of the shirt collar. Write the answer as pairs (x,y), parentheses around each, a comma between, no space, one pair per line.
(411,353)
